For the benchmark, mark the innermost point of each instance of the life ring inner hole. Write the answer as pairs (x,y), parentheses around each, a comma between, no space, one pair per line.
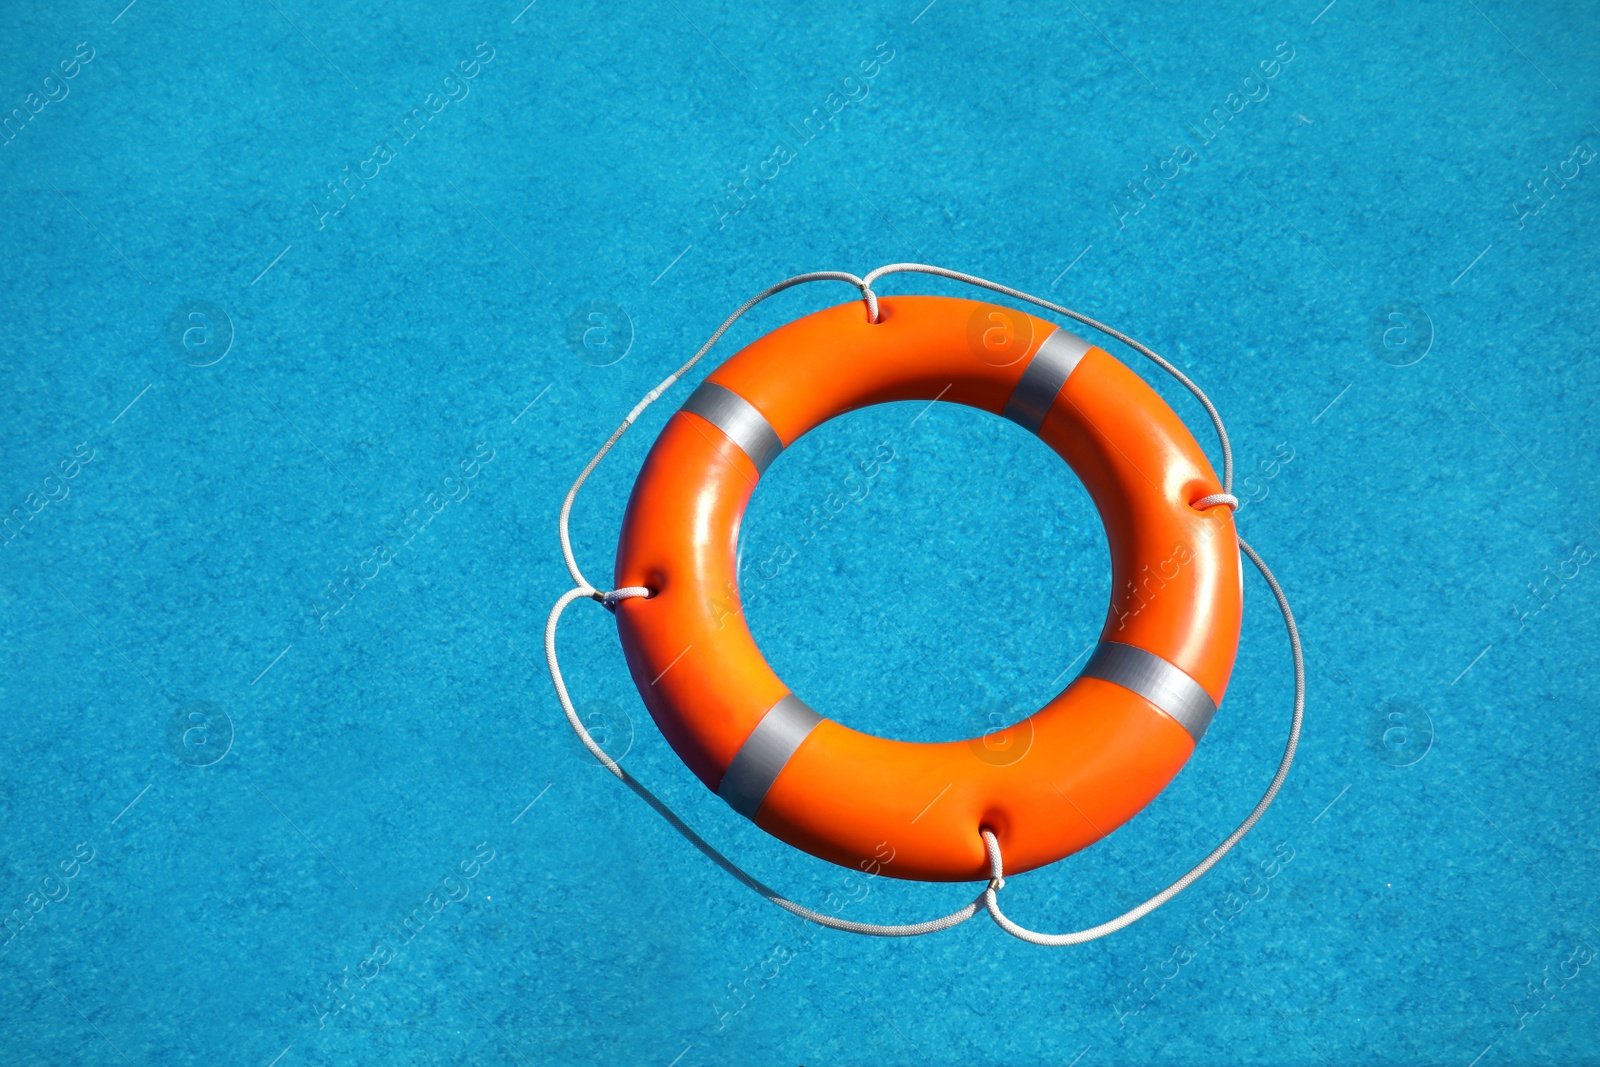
(926,572)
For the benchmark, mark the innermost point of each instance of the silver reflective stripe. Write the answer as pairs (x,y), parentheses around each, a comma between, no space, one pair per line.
(1048,371)
(765,753)
(738,418)
(1159,682)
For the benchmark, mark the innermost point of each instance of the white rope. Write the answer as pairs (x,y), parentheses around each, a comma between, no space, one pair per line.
(997,869)
(669,380)
(627,592)
(955,918)
(988,899)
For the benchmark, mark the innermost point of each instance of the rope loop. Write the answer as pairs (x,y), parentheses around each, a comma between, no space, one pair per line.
(997,867)
(627,592)
(872,304)
(988,899)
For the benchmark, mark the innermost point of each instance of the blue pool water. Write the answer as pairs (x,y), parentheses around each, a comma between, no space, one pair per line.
(283,282)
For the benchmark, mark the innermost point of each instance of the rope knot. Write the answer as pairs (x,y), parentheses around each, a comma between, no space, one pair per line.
(872,304)
(997,870)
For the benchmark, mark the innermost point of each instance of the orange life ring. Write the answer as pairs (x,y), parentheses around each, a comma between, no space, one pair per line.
(1100,750)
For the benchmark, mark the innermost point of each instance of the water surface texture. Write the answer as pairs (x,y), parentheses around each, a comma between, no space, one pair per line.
(312,312)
